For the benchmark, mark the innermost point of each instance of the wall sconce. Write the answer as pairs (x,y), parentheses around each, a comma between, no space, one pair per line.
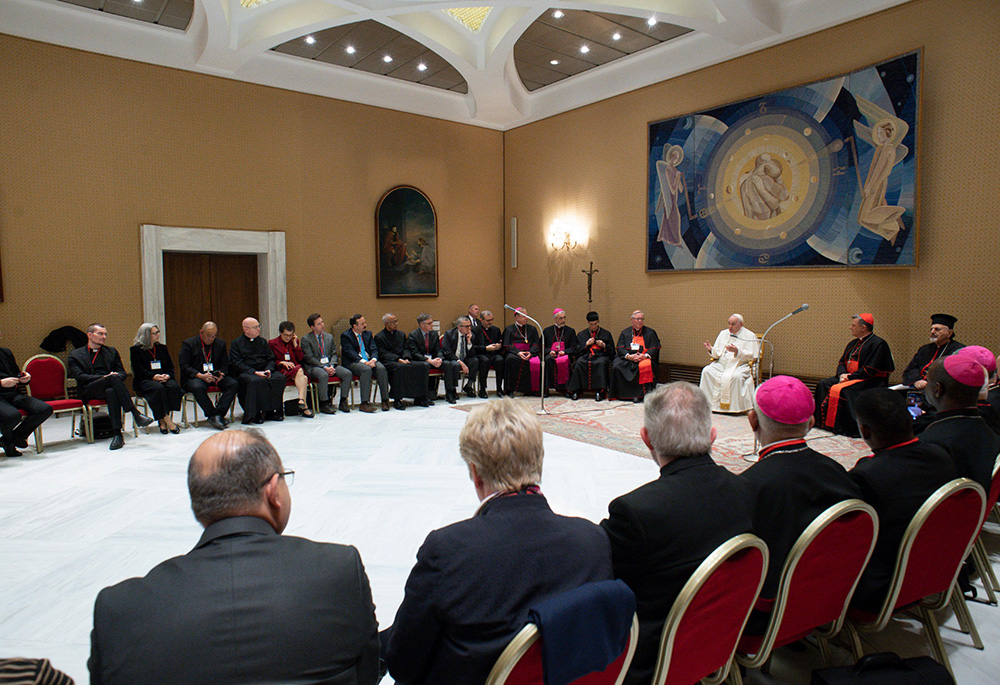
(564,234)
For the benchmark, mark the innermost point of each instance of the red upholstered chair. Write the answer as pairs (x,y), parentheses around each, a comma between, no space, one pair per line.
(703,626)
(819,577)
(48,384)
(979,555)
(520,663)
(931,553)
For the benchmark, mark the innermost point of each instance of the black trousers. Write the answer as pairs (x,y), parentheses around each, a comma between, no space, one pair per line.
(228,387)
(112,390)
(13,428)
(488,361)
(476,374)
(161,397)
(259,394)
(450,373)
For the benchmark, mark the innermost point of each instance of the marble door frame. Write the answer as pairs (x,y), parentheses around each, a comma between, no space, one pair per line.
(269,246)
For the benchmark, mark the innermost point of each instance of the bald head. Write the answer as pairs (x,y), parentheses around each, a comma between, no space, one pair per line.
(251,327)
(208,332)
(232,473)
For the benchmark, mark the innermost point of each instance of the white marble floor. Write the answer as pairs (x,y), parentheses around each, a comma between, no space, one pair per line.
(79,517)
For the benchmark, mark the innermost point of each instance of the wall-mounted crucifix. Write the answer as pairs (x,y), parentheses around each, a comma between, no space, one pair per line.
(590,281)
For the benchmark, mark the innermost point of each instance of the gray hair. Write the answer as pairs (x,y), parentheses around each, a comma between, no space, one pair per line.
(144,335)
(233,487)
(463,320)
(423,317)
(485,312)
(503,440)
(678,420)
(385,317)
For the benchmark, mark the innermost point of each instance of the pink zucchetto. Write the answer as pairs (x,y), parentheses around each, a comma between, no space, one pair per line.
(980,354)
(965,370)
(558,310)
(786,400)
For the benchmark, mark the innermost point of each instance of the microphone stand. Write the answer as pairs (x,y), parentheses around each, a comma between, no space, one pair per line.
(752,456)
(541,355)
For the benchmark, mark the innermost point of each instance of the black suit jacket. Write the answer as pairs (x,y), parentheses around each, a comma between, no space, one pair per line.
(142,362)
(417,351)
(791,485)
(490,336)
(8,369)
(246,605)
(192,357)
(250,356)
(350,350)
(474,580)
(896,481)
(449,345)
(85,367)
(973,446)
(662,531)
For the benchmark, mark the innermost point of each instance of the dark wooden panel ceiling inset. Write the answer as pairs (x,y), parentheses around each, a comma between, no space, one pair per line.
(173,13)
(559,39)
(364,46)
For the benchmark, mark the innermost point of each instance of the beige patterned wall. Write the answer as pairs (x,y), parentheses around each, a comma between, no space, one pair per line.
(589,163)
(91,147)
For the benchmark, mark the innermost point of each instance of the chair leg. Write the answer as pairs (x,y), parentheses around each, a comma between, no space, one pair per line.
(824,648)
(989,578)
(88,424)
(184,410)
(934,637)
(853,640)
(961,609)
(39,447)
(765,667)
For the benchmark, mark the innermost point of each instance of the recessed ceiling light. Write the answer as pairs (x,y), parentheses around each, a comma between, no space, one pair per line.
(310,40)
(387,59)
(554,62)
(616,36)
(558,14)
(350,50)
(651,21)
(422,67)
(584,49)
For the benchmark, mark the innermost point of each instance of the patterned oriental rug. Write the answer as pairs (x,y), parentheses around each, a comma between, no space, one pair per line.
(615,425)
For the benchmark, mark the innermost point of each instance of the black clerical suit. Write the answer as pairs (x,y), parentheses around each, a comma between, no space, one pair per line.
(11,399)
(517,371)
(494,358)
(162,397)
(871,355)
(473,582)
(405,380)
(197,357)
(972,444)
(926,355)
(625,382)
(91,370)
(896,481)
(662,531)
(246,605)
(422,347)
(457,350)
(553,335)
(590,370)
(257,394)
(790,486)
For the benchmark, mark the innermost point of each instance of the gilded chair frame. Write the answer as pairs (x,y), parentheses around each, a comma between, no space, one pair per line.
(39,444)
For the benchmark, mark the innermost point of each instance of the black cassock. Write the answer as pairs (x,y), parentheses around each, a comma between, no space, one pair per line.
(566,336)
(257,394)
(517,371)
(624,373)
(405,380)
(868,363)
(928,354)
(590,370)
(487,358)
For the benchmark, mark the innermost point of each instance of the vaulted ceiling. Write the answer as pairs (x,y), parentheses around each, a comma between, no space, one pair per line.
(497,65)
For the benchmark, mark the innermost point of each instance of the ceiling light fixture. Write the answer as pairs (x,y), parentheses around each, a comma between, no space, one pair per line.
(554,62)
(558,14)
(310,40)
(584,49)
(616,36)
(350,50)
(651,21)
(422,67)
(387,59)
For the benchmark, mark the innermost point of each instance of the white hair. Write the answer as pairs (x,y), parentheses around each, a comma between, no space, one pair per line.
(738,317)
(678,420)
(385,317)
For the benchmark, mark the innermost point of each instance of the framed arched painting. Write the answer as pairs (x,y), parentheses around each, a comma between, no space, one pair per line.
(406,242)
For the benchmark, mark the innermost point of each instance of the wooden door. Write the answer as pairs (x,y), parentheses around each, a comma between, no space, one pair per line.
(207,287)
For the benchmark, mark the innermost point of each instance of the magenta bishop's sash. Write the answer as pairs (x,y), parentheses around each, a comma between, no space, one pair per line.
(534,364)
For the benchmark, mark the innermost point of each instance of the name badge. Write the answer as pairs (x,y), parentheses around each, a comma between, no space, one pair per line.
(156,365)
(324,360)
(558,346)
(288,357)
(208,367)
(635,347)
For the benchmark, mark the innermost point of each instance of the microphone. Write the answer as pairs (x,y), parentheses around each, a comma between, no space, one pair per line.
(800,309)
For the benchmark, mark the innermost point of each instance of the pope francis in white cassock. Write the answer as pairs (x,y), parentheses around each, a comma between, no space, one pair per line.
(728,381)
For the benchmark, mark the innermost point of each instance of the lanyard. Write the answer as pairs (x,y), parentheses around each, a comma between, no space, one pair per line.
(206,352)
(94,360)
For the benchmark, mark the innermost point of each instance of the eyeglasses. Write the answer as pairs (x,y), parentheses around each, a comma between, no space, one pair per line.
(289,477)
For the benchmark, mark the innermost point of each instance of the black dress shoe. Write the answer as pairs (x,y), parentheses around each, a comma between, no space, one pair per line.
(117,442)
(141,421)
(10,449)
(499,393)
(327,408)
(248,420)
(470,391)
(422,402)
(639,400)
(22,443)
(574,396)
(278,416)
(343,407)
(225,421)
(259,419)
(482,394)
(216,422)
(398,404)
